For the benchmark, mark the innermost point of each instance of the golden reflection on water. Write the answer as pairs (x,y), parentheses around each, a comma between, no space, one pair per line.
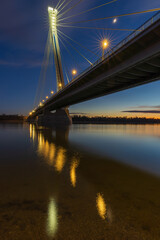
(55,156)
(32,131)
(60,160)
(101,206)
(46,149)
(51,154)
(52,220)
(73,177)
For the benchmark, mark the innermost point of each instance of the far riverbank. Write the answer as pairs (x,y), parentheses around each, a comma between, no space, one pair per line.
(110,120)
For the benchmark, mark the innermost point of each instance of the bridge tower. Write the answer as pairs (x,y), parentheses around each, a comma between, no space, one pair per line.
(61,117)
(56,49)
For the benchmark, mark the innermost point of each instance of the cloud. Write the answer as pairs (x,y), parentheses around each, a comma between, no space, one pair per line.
(147,106)
(139,111)
(78,113)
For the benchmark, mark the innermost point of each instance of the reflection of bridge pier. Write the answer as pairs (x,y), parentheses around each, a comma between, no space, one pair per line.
(57,135)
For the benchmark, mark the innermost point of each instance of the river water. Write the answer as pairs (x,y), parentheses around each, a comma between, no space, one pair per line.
(85,182)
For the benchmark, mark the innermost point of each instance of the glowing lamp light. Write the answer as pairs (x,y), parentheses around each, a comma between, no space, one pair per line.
(105,43)
(41,104)
(42,100)
(114,20)
(30,113)
(46,97)
(52,92)
(60,85)
(50,9)
(74,72)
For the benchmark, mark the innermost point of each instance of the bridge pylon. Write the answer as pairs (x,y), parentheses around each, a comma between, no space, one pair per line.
(56,49)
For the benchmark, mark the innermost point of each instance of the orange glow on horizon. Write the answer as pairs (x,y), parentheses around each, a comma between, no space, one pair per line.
(121,114)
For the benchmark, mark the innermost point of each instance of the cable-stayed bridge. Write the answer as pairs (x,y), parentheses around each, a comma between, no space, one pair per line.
(133,62)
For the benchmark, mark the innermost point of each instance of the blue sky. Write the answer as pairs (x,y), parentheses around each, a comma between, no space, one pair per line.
(23,35)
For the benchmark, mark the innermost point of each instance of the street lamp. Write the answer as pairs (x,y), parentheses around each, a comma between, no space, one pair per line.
(105,44)
(46,97)
(52,92)
(60,85)
(74,72)
(41,104)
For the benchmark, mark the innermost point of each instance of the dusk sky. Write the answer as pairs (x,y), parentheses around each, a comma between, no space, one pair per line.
(23,35)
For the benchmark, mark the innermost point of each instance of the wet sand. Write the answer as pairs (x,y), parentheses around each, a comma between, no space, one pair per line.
(54,190)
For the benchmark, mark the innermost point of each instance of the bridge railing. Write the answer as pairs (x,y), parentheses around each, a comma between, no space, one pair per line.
(148,23)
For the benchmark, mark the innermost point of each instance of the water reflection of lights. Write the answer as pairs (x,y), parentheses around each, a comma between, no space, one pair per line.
(52,221)
(32,131)
(60,160)
(54,156)
(101,206)
(46,149)
(73,178)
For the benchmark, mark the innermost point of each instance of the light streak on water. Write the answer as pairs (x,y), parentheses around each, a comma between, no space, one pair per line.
(101,206)
(73,176)
(52,220)
(60,161)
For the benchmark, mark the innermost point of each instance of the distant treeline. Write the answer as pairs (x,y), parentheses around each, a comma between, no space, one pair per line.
(12,117)
(111,120)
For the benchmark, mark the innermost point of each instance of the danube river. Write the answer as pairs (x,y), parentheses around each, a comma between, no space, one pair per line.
(86,182)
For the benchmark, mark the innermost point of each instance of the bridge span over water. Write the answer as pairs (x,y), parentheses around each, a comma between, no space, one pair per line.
(133,62)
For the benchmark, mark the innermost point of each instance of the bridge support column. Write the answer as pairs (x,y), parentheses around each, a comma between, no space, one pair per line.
(31,119)
(60,118)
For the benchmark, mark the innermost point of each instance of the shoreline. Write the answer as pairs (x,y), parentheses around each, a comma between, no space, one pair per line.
(92,123)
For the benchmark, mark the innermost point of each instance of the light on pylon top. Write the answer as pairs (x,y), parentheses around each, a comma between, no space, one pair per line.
(50,9)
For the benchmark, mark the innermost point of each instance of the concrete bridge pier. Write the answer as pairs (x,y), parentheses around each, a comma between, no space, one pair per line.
(32,119)
(59,118)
